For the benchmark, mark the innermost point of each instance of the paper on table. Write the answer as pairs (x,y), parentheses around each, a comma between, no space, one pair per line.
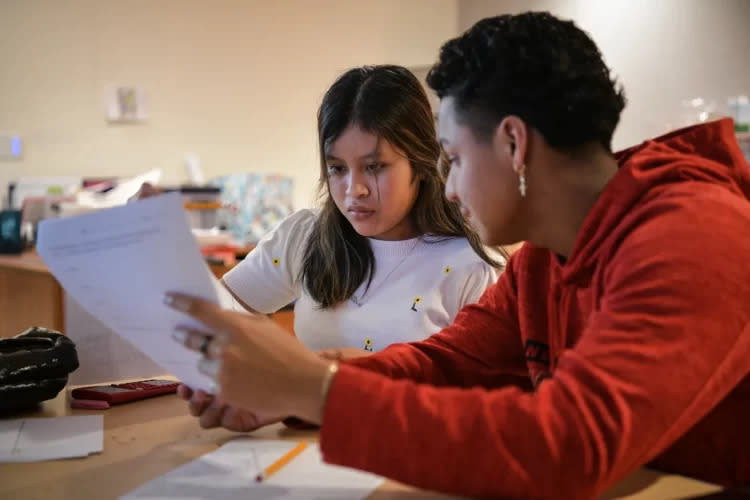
(229,473)
(118,263)
(35,439)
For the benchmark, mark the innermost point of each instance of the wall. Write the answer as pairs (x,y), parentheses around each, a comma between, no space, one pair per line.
(663,51)
(237,82)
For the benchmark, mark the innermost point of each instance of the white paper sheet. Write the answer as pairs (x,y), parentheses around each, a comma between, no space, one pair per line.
(103,356)
(35,439)
(229,473)
(118,195)
(118,263)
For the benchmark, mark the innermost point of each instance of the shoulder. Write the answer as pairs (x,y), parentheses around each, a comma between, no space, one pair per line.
(284,245)
(691,218)
(457,248)
(291,233)
(301,220)
(456,256)
(684,243)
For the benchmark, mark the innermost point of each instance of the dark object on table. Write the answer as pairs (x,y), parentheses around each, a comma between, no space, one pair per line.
(34,367)
(10,232)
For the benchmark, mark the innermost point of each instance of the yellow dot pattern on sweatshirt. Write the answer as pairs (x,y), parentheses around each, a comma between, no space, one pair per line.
(447,269)
(417,300)
(276,261)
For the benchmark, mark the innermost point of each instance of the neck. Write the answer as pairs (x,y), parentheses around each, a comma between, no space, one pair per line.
(567,191)
(404,230)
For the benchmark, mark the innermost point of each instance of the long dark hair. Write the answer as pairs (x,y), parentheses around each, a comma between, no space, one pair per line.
(389,102)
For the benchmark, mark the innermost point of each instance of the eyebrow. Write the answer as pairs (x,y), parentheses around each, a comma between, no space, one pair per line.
(371,155)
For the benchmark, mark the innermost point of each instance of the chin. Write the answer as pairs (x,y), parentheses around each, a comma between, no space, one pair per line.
(493,238)
(362,232)
(491,242)
(484,235)
(366,230)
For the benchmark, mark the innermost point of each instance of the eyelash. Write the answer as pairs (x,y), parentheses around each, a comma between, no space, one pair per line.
(335,170)
(339,169)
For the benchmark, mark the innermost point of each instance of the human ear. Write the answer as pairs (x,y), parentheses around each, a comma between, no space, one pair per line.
(510,141)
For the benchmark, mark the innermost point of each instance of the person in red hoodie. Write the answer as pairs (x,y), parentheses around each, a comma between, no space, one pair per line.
(619,335)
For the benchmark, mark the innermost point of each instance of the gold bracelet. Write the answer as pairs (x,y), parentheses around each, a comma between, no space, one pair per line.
(333,368)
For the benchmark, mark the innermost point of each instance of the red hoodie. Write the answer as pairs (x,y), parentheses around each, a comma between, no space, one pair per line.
(565,377)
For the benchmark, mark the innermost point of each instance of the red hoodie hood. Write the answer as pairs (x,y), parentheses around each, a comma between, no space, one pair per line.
(702,153)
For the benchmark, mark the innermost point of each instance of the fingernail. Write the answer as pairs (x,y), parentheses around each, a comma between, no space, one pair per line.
(179,336)
(177,302)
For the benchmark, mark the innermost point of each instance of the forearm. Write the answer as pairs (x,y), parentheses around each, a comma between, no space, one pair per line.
(574,437)
(438,363)
(461,441)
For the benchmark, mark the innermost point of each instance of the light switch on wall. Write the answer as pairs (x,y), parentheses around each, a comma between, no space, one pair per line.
(10,147)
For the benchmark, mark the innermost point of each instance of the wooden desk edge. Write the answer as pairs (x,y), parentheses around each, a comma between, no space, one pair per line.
(27,261)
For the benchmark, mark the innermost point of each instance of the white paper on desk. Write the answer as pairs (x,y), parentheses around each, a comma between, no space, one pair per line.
(229,473)
(118,263)
(35,439)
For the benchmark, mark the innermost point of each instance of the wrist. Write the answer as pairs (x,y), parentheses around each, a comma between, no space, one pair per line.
(315,392)
(325,386)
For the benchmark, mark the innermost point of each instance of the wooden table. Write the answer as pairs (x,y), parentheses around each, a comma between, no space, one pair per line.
(148,438)
(29,295)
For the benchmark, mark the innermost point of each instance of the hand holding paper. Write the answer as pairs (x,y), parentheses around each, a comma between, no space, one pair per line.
(119,262)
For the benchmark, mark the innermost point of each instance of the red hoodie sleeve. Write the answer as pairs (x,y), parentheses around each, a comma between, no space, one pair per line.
(482,347)
(668,341)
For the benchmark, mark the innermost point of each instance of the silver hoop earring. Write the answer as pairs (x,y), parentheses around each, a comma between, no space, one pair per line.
(522,184)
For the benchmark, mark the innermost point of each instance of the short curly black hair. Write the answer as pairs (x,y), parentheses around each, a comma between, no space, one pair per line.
(535,66)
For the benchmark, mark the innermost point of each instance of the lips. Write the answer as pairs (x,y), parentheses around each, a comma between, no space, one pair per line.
(359,213)
(359,210)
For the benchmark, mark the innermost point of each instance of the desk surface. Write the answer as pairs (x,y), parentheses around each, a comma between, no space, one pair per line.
(146,439)
(28,261)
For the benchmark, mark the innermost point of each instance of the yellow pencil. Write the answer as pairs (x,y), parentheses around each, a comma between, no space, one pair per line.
(281,462)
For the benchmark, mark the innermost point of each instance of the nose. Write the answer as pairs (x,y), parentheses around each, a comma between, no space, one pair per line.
(357,185)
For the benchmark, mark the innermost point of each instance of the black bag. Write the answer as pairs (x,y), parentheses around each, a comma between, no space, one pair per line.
(34,367)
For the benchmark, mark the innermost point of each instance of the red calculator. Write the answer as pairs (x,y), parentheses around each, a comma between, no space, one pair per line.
(130,391)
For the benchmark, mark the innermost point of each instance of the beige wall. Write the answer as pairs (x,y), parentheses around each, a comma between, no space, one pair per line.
(235,81)
(238,81)
(664,51)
